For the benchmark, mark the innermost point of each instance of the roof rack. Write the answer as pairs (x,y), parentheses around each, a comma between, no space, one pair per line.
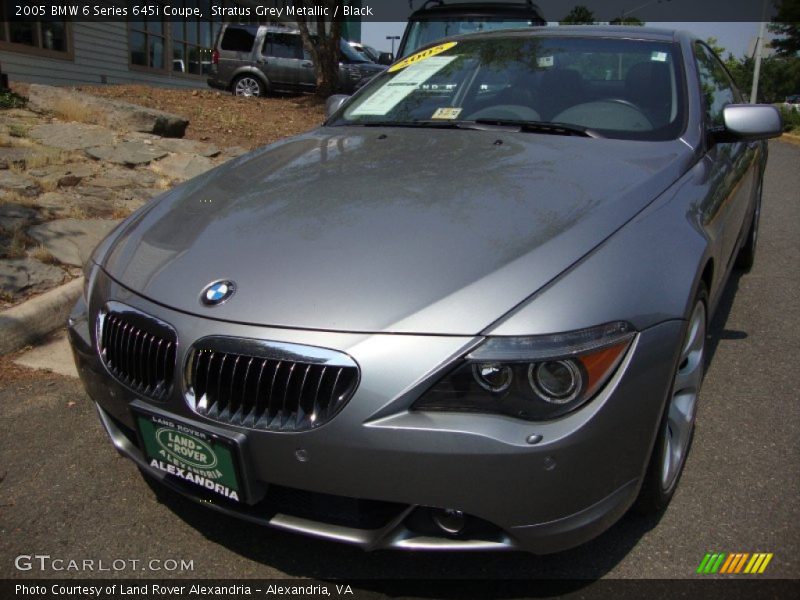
(429,3)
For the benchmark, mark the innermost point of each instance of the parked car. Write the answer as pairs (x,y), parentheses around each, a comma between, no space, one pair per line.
(367,51)
(792,102)
(468,312)
(252,60)
(436,19)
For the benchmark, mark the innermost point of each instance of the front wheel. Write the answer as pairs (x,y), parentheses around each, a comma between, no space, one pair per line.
(248,86)
(677,423)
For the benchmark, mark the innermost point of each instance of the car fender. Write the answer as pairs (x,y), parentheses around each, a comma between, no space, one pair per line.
(647,272)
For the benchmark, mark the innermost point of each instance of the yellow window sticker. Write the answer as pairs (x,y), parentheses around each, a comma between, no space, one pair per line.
(446,113)
(419,56)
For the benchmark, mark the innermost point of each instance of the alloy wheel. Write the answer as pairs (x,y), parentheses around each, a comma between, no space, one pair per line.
(677,431)
(247,86)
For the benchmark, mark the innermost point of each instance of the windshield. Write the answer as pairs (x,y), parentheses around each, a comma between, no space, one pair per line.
(422,33)
(351,54)
(618,88)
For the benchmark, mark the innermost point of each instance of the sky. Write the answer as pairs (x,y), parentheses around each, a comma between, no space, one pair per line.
(735,37)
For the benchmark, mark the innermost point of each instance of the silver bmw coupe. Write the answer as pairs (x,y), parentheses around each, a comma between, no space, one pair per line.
(469,312)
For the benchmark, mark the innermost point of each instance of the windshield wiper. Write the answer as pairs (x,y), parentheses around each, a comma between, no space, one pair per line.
(434,123)
(542,127)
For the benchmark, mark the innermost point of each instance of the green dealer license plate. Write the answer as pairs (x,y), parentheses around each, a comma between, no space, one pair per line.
(190,454)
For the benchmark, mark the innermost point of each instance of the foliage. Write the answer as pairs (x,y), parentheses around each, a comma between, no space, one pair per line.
(627,21)
(9,99)
(779,77)
(579,15)
(323,45)
(791,119)
(713,43)
(787,26)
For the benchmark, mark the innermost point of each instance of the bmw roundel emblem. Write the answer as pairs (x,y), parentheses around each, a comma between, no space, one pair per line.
(217,292)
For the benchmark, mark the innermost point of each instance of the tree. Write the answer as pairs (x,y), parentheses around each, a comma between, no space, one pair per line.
(786,24)
(713,43)
(323,44)
(580,15)
(627,21)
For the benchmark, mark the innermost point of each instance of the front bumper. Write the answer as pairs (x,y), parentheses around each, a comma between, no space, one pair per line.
(566,489)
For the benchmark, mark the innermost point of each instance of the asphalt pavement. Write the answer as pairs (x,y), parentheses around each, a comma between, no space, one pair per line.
(65,492)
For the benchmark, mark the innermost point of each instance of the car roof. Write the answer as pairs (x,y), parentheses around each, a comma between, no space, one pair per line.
(255,26)
(614,31)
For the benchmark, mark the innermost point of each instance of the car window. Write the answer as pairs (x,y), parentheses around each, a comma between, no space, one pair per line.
(283,45)
(627,89)
(237,39)
(716,86)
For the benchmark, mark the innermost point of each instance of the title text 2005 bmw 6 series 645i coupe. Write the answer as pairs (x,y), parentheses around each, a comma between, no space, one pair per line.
(468,312)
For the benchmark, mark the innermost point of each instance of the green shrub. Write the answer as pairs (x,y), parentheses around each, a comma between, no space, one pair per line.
(791,119)
(9,99)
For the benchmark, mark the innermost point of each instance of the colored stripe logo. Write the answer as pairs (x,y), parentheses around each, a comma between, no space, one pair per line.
(734,563)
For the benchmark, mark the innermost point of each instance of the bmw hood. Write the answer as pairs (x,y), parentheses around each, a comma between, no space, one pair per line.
(388,230)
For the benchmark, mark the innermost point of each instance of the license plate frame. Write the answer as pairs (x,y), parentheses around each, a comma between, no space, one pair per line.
(174,446)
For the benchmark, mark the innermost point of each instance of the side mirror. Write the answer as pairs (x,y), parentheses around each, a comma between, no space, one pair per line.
(334,103)
(748,122)
(385,58)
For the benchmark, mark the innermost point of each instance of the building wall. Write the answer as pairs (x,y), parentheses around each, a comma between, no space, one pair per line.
(100,50)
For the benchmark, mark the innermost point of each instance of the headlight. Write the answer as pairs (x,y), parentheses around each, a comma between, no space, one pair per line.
(534,378)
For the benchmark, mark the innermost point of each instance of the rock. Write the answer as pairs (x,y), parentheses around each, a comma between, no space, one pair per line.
(114,113)
(24,275)
(69,181)
(12,215)
(111,183)
(94,191)
(126,153)
(183,166)
(72,136)
(71,241)
(14,156)
(21,184)
(83,169)
(60,205)
(124,178)
(234,151)
(187,147)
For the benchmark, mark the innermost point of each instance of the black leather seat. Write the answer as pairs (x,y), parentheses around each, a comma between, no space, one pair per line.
(648,86)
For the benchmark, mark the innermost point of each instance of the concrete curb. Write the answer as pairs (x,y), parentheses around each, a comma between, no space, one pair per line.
(32,320)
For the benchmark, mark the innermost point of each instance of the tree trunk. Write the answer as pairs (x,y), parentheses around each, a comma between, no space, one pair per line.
(325,52)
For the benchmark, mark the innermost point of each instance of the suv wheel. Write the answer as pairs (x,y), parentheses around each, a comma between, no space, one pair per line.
(247,86)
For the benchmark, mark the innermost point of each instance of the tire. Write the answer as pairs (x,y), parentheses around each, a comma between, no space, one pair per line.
(676,428)
(248,86)
(747,253)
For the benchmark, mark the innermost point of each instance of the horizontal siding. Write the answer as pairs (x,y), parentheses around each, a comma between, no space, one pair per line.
(100,48)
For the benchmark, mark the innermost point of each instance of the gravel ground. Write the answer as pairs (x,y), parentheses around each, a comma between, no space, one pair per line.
(222,118)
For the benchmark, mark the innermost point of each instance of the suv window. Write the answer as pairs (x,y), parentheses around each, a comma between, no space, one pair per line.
(283,45)
(238,39)
(716,85)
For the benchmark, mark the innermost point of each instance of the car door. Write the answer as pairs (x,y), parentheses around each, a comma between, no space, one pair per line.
(732,164)
(284,62)
(277,58)
(235,49)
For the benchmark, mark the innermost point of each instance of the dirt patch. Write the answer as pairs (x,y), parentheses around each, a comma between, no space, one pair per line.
(222,118)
